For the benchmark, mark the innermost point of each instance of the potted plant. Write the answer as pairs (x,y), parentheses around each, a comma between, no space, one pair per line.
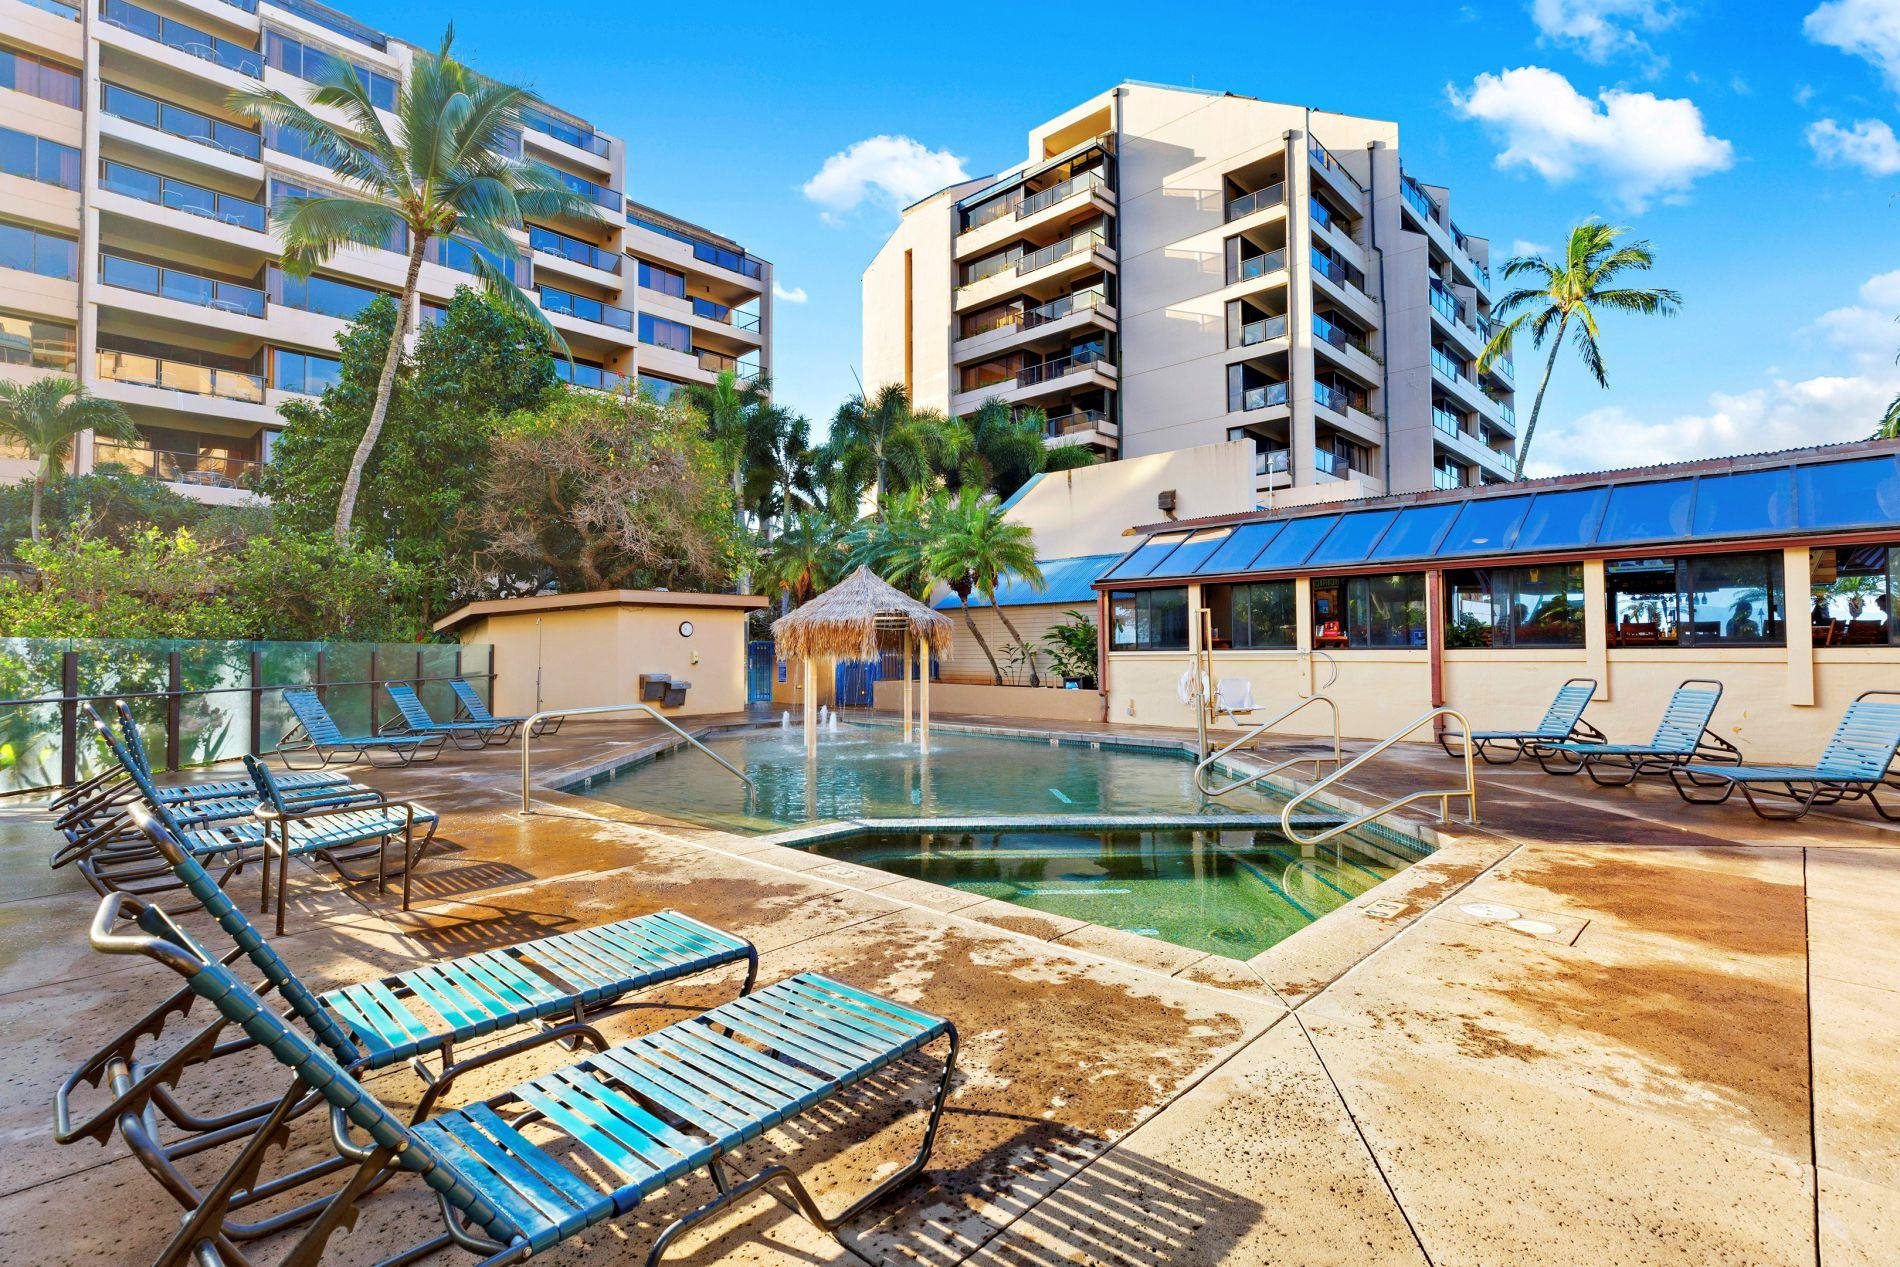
(1072,645)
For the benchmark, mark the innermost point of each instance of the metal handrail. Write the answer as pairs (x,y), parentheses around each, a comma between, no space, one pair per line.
(1200,771)
(533,723)
(1469,791)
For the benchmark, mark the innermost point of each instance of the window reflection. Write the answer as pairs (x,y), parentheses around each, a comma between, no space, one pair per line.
(1370,611)
(1851,595)
(1515,607)
(1710,600)
(1148,620)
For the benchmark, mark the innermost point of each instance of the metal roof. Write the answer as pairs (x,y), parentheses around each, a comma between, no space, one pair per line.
(1070,580)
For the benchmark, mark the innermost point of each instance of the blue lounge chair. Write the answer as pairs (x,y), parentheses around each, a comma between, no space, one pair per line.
(1563,721)
(316,732)
(526,1170)
(469,707)
(414,719)
(1682,738)
(1857,762)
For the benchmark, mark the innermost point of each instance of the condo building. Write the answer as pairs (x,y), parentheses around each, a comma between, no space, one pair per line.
(1172,268)
(136,252)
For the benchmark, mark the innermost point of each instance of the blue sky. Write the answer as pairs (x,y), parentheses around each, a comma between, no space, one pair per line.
(1751,142)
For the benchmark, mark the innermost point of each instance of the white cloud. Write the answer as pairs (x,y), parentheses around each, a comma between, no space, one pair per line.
(1521,246)
(1845,404)
(1640,145)
(1868,144)
(1868,29)
(789,294)
(1600,29)
(893,171)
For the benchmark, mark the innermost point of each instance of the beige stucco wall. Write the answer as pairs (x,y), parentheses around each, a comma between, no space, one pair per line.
(948,698)
(966,661)
(924,234)
(1086,511)
(581,657)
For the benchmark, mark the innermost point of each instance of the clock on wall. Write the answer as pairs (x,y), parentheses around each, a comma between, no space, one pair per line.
(686,628)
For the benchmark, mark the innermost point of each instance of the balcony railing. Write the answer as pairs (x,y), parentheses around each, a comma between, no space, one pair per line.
(1264,396)
(58,8)
(1272,461)
(1450,367)
(1063,306)
(136,107)
(181,376)
(329,19)
(705,252)
(1447,303)
(1245,205)
(1260,331)
(325,296)
(1323,214)
(1252,266)
(1327,462)
(1448,422)
(592,377)
(1043,199)
(1327,266)
(720,363)
(1414,193)
(203,470)
(180,195)
(576,135)
(1444,479)
(1055,368)
(569,304)
(186,39)
(1337,335)
(1324,157)
(190,288)
(1506,412)
(1077,421)
(560,245)
(1059,250)
(598,194)
(1338,399)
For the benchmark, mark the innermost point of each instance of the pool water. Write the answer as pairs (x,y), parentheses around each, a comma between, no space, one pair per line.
(869,772)
(1232,892)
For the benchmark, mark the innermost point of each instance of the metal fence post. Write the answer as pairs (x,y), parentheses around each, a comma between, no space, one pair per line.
(418,668)
(174,684)
(257,704)
(69,718)
(320,694)
(375,675)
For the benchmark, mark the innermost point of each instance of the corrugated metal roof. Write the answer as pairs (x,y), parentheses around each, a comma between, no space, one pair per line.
(1070,580)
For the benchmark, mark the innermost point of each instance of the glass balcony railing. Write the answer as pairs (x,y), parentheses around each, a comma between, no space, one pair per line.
(592,377)
(1065,306)
(1076,421)
(1252,266)
(1246,204)
(325,296)
(58,8)
(720,363)
(1272,461)
(1443,478)
(1449,366)
(577,135)
(327,18)
(203,470)
(173,120)
(1331,397)
(1506,412)
(460,255)
(1327,266)
(598,194)
(572,305)
(190,288)
(560,245)
(1059,251)
(1327,462)
(1323,158)
(1446,421)
(733,261)
(186,39)
(1043,199)
(43,254)
(1447,303)
(164,191)
(1415,195)
(1264,396)
(725,314)
(1056,367)
(1261,331)
(1323,214)
(1337,335)
(181,376)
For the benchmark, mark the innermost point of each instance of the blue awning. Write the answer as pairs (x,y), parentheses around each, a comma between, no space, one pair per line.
(1070,580)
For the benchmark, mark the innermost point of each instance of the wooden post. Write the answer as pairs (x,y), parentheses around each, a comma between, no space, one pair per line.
(811,708)
(923,711)
(906,692)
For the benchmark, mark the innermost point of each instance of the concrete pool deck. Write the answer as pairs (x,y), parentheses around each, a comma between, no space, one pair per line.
(1686,1050)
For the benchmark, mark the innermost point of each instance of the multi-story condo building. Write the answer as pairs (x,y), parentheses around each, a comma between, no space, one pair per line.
(136,251)
(1172,268)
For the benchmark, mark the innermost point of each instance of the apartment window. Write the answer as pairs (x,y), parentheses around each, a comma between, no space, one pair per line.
(1708,601)
(31,251)
(324,295)
(1515,607)
(665,334)
(1148,620)
(1246,617)
(304,372)
(661,389)
(36,158)
(46,80)
(1853,592)
(1370,611)
(314,65)
(664,280)
(35,341)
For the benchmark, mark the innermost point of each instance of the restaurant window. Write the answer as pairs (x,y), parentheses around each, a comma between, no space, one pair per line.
(1370,611)
(1713,600)
(1853,588)
(1148,620)
(1248,617)
(1515,607)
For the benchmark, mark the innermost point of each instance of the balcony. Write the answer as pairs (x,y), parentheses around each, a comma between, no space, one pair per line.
(1246,204)
(188,288)
(573,250)
(327,18)
(58,8)
(1272,461)
(1043,199)
(1060,251)
(567,304)
(1332,168)
(181,376)
(325,296)
(1076,422)
(599,195)
(1415,197)
(1261,331)
(725,314)
(1056,367)
(1338,336)
(1265,396)
(1447,422)
(591,377)
(186,39)
(720,363)
(173,120)
(201,470)
(1327,462)
(706,252)
(1252,266)
(1444,479)
(164,191)
(577,135)
(1339,399)
(1447,303)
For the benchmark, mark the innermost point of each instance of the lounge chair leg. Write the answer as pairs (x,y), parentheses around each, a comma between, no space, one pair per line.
(283,876)
(340,1212)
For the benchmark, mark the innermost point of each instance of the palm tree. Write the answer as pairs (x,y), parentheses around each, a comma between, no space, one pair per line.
(1572,291)
(974,544)
(730,406)
(1007,450)
(44,417)
(896,543)
(882,444)
(779,474)
(805,557)
(453,169)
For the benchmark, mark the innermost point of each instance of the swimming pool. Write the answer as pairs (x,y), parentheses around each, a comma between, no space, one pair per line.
(1229,892)
(867,771)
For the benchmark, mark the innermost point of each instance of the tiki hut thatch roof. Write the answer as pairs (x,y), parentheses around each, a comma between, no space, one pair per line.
(857,618)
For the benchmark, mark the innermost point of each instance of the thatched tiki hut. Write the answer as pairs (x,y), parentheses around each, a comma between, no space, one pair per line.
(857,619)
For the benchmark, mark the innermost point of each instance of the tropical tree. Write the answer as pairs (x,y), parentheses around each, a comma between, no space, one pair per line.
(1570,292)
(780,478)
(1890,422)
(804,557)
(44,417)
(974,544)
(881,444)
(896,542)
(1007,450)
(730,405)
(453,168)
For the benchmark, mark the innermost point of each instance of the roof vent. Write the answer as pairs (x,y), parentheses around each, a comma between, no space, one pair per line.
(1164,502)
